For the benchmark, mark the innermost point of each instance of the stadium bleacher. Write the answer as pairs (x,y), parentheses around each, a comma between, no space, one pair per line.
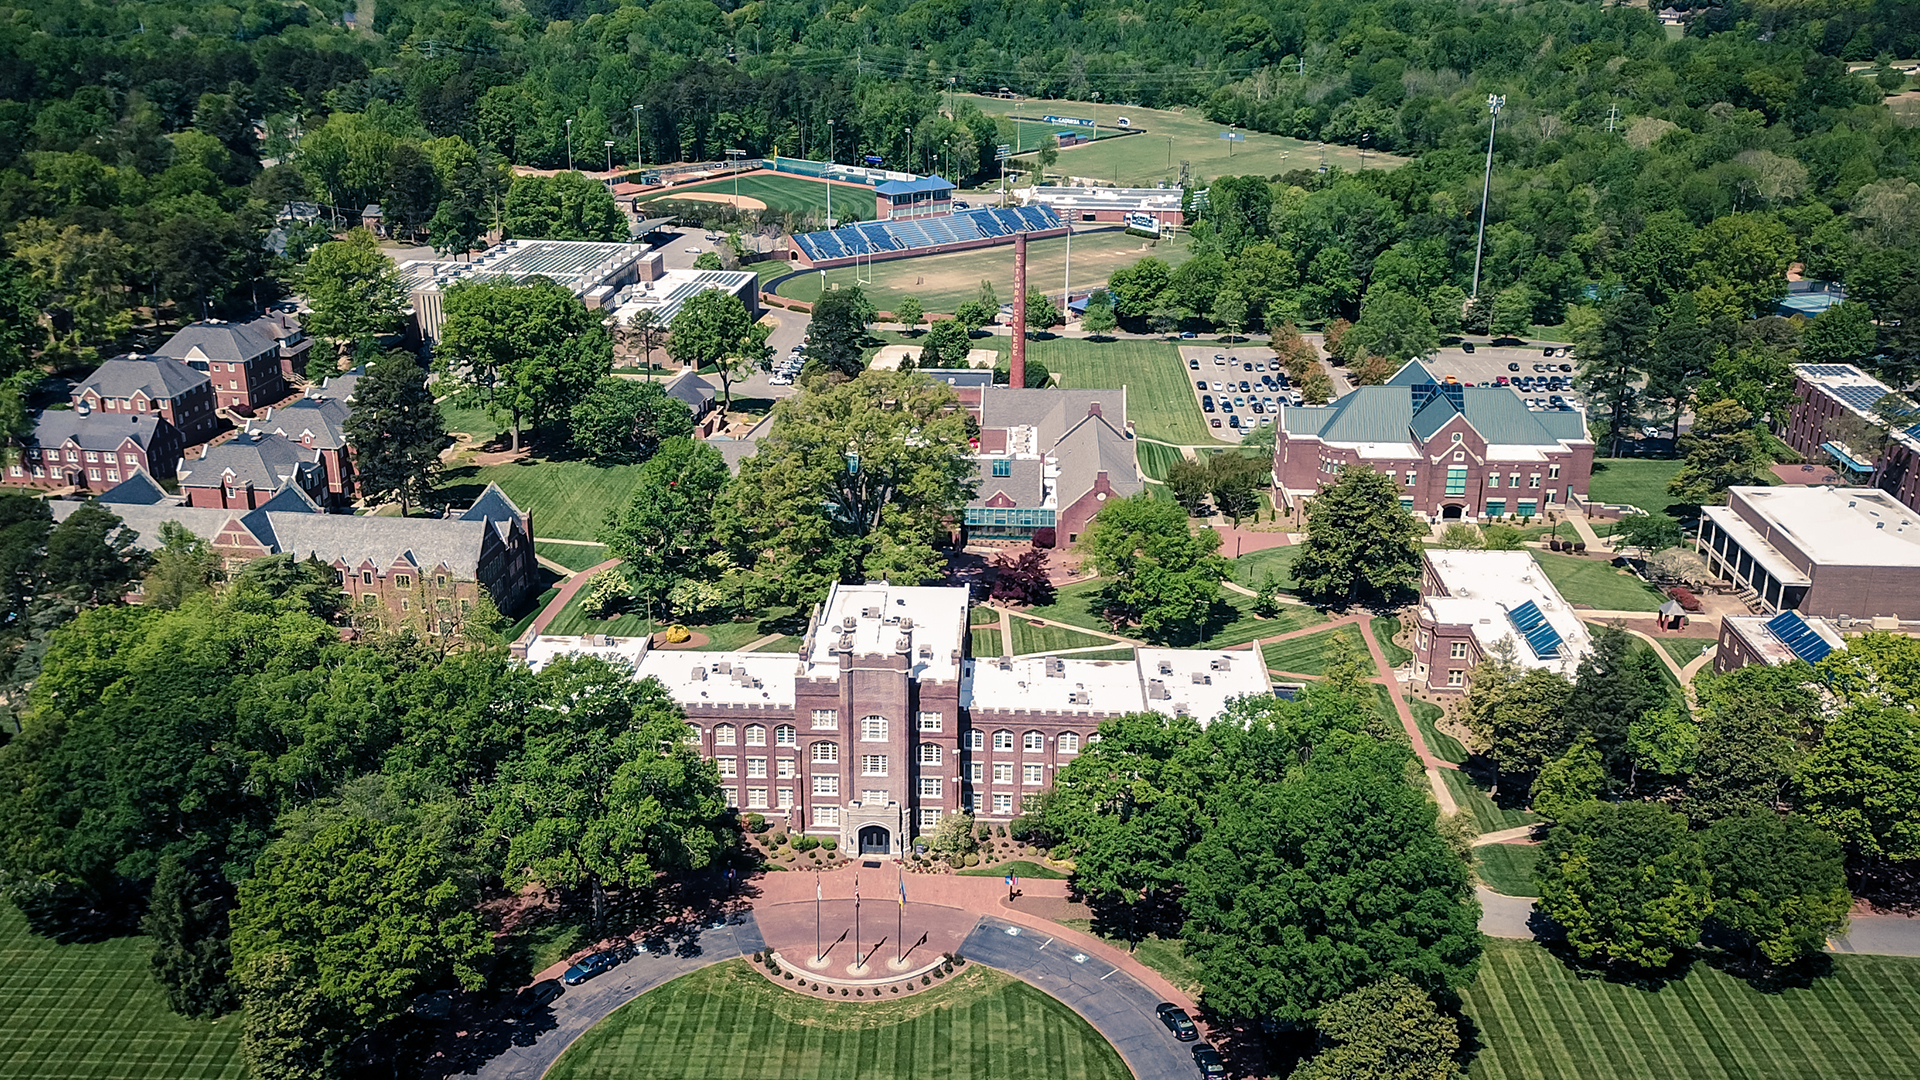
(886,237)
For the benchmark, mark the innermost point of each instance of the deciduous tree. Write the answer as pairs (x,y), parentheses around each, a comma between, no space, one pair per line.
(1862,783)
(1779,882)
(353,291)
(527,351)
(1723,449)
(838,333)
(1388,1030)
(909,311)
(664,533)
(715,328)
(396,431)
(1160,575)
(1099,317)
(1394,325)
(621,420)
(1626,883)
(1362,545)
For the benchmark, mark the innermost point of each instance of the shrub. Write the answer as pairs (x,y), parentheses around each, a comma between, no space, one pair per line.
(972,860)
(805,843)
(1000,831)
(830,843)
(843,991)
(678,634)
(788,975)
(1686,598)
(815,986)
(757,957)
(895,989)
(948,969)
(958,960)
(778,839)
(756,823)
(939,973)
(859,993)
(926,980)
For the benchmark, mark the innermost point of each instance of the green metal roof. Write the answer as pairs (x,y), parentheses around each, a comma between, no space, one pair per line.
(1432,417)
(1385,414)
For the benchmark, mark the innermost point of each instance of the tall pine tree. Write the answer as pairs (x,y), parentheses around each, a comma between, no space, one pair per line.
(396,432)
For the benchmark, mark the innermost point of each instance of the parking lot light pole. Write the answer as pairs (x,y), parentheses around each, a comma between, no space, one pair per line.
(569,145)
(1495,102)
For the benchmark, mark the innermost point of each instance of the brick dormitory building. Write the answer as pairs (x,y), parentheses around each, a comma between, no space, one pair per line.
(883,722)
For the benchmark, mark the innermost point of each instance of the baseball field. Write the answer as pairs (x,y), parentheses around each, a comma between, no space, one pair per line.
(773,191)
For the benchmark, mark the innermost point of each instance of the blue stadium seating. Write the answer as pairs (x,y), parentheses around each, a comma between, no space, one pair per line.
(883,237)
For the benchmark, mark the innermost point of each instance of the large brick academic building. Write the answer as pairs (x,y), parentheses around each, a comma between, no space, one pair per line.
(883,722)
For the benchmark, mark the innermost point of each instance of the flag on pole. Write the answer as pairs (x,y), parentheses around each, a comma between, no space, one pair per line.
(1009,880)
(1014,878)
(903,891)
(816,885)
(856,890)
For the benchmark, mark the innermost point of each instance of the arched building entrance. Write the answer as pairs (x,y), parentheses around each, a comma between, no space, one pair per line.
(875,840)
(1452,512)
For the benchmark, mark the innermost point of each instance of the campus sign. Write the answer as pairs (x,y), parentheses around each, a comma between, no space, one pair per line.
(1073,121)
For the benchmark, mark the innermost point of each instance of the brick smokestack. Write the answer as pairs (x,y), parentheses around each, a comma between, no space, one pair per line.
(1017,369)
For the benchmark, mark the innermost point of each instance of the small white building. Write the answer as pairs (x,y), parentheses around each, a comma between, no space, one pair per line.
(1473,601)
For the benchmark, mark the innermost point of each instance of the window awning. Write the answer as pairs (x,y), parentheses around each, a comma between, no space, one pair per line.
(1845,458)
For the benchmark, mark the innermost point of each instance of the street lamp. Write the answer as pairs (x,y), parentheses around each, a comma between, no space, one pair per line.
(827,179)
(639,156)
(1495,102)
(609,145)
(569,145)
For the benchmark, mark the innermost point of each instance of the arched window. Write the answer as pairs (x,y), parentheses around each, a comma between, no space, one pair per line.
(1003,740)
(785,735)
(929,753)
(1035,742)
(756,735)
(826,753)
(873,729)
(723,735)
(1069,743)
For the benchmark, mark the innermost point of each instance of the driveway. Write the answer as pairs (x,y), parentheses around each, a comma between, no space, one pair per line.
(1117,1005)
(524,1049)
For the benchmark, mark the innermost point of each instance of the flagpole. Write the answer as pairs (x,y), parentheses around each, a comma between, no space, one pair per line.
(816,916)
(900,938)
(856,920)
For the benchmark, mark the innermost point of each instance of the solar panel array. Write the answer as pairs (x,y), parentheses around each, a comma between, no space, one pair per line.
(1532,624)
(1795,634)
(1832,371)
(887,237)
(1860,397)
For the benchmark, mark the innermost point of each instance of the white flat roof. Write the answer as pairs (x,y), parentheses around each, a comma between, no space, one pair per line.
(578,265)
(1173,682)
(544,650)
(1756,545)
(1484,587)
(932,617)
(1753,630)
(1099,198)
(1200,682)
(664,295)
(1846,526)
(723,678)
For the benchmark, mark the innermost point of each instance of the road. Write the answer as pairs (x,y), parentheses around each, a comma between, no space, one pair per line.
(524,1049)
(1117,1005)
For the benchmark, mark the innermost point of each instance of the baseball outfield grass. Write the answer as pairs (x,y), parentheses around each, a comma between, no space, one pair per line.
(727,1022)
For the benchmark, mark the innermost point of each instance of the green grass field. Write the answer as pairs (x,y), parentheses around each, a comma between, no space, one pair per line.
(1105,654)
(474,422)
(1234,623)
(1595,583)
(1383,629)
(1252,568)
(94,1011)
(1029,639)
(986,641)
(1170,138)
(1684,650)
(1023,867)
(568,499)
(793,194)
(1307,655)
(944,282)
(1640,482)
(1444,746)
(1508,868)
(573,619)
(1487,815)
(728,1023)
(1156,458)
(571,556)
(1540,1020)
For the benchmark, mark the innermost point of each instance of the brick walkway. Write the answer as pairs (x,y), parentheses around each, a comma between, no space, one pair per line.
(559,602)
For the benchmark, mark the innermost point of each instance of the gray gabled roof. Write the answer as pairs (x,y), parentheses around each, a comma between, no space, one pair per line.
(224,341)
(696,392)
(1023,482)
(1092,447)
(96,431)
(1385,414)
(138,489)
(262,459)
(493,505)
(325,418)
(159,377)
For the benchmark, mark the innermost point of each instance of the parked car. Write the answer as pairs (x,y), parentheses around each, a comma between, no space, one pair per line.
(1239,401)
(1193,363)
(1188,335)
(1513,367)
(1466,346)
(1215,421)
(1199,384)
(1206,403)
(1178,1022)
(1501,381)
(1246,365)
(538,996)
(1208,1061)
(1565,367)
(591,965)
(1233,421)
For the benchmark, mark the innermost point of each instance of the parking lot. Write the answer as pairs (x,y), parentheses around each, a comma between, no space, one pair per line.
(1488,364)
(1243,386)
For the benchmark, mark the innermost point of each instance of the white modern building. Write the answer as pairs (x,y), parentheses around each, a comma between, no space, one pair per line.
(1476,604)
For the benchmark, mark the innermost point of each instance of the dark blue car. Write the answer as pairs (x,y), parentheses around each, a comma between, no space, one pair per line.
(589,966)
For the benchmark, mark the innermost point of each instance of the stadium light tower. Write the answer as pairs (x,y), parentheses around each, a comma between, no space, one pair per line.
(569,145)
(827,179)
(1495,102)
(609,145)
(734,156)
(639,155)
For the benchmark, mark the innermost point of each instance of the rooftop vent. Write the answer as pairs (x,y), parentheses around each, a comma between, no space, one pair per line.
(1056,668)
(723,667)
(1157,690)
(848,623)
(698,674)
(870,613)
(1202,679)
(1166,667)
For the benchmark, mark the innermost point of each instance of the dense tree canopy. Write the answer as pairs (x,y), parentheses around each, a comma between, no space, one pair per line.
(526,351)
(1361,543)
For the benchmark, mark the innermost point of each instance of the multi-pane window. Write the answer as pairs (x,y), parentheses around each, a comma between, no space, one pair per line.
(976,740)
(873,729)
(929,721)
(1069,743)
(756,798)
(929,754)
(786,735)
(976,772)
(1513,480)
(1035,742)
(729,767)
(785,767)
(1002,467)
(724,735)
(786,798)
(930,787)
(1003,804)
(756,768)
(1533,481)
(1553,472)
(1003,740)
(873,764)
(827,815)
(826,785)
(1003,774)
(733,797)
(826,752)
(1033,774)
(825,719)
(1456,677)
(1493,479)
(1458,650)
(1410,477)
(1456,479)
(756,735)
(874,797)
(928,819)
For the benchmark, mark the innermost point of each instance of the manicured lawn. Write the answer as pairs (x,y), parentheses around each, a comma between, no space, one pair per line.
(986,641)
(473,421)
(1028,638)
(573,619)
(1252,568)
(1540,1020)
(791,643)
(1307,655)
(1156,458)
(728,1023)
(1508,868)
(1640,482)
(1160,399)
(1444,746)
(1595,583)
(1233,622)
(1168,956)
(1384,627)
(1023,867)
(1487,815)
(568,499)
(983,616)
(571,556)
(1684,650)
(94,1011)
(790,193)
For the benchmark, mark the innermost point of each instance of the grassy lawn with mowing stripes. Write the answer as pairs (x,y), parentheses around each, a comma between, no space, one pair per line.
(1488,816)
(1025,868)
(571,556)
(982,616)
(1684,650)
(568,499)
(1539,1020)
(1232,623)
(1028,638)
(1160,399)
(1384,627)
(1156,458)
(1444,746)
(1307,655)
(1594,582)
(728,1023)
(790,193)
(1508,868)
(574,619)
(94,1011)
(986,640)
(1252,568)
(1640,482)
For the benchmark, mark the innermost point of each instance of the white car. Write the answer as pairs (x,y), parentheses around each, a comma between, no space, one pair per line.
(693,250)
